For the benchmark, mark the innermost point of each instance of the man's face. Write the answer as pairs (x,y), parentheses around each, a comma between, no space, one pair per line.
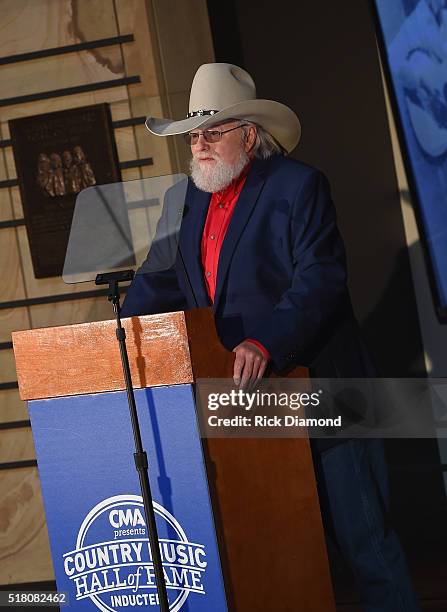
(215,164)
(228,149)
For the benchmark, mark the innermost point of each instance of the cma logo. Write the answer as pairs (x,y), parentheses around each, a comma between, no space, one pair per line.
(128,517)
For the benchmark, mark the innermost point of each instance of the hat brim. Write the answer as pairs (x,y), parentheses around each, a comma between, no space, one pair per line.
(276,118)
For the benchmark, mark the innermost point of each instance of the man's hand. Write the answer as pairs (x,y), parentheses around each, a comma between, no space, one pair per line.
(249,365)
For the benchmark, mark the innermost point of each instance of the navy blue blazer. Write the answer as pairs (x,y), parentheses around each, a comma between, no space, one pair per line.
(281,277)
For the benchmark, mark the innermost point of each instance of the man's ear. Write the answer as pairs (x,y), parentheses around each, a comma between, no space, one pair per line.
(250,138)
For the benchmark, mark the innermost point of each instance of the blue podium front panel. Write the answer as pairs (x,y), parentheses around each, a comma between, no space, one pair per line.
(94,509)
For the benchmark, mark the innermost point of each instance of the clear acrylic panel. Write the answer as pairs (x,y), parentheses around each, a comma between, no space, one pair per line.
(115,226)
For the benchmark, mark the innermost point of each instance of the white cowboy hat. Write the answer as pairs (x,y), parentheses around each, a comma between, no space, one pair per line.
(225,91)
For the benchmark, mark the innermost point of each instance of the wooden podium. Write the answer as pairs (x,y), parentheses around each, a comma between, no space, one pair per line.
(263,492)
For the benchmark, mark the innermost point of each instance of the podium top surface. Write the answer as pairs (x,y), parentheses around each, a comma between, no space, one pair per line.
(85,358)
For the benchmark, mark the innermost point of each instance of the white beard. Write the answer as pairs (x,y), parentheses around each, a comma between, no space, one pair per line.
(215,177)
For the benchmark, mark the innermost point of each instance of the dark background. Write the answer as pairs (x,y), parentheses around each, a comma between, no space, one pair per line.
(321,59)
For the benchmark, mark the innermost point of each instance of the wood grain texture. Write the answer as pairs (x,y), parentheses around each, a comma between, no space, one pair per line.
(263,490)
(42,287)
(125,144)
(11,288)
(120,109)
(38,287)
(27,25)
(132,174)
(7,366)
(184,44)
(16,445)
(71,312)
(45,24)
(24,546)
(16,203)
(179,102)
(37,107)
(92,19)
(13,319)
(267,514)
(11,284)
(141,57)
(11,172)
(12,408)
(265,504)
(182,50)
(5,204)
(5,196)
(149,145)
(145,98)
(79,359)
(73,69)
(3,175)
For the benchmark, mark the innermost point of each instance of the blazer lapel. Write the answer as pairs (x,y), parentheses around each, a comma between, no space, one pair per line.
(194,216)
(244,208)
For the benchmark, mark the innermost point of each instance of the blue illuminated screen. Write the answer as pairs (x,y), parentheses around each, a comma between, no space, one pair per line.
(415,39)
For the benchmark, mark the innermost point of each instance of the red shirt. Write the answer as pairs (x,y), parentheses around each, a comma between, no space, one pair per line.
(220,211)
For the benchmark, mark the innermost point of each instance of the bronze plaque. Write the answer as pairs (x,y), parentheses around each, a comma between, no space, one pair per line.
(57,155)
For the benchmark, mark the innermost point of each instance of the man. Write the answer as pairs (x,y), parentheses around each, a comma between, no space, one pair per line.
(259,242)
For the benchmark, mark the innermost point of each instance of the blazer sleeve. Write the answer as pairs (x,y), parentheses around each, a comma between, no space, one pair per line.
(302,318)
(154,293)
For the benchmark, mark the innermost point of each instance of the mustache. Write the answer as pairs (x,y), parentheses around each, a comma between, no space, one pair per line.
(199,156)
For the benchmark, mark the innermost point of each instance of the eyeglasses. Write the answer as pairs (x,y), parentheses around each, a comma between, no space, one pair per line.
(192,138)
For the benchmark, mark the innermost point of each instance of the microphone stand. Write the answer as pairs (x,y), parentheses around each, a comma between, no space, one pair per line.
(112,279)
